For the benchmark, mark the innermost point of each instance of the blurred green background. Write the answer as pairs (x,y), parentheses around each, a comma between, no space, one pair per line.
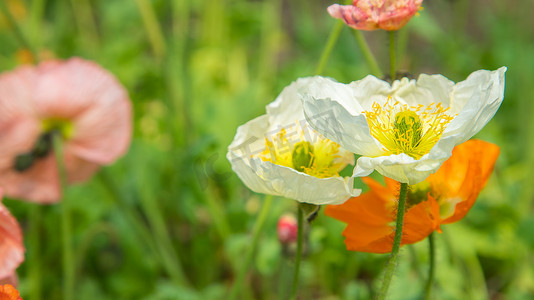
(171,221)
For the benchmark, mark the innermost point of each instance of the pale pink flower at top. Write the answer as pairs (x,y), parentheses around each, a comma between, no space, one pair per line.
(376,14)
(11,246)
(77,99)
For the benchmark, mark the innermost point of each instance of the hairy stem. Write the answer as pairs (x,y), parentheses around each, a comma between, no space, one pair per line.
(392,263)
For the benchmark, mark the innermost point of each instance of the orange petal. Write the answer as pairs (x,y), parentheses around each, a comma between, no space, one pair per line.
(370,219)
(481,157)
(8,292)
(368,216)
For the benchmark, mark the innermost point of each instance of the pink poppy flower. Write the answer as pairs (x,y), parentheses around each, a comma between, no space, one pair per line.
(376,14)
(75,98)
(11,245)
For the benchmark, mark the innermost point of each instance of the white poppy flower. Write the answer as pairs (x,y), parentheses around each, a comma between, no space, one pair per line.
(406,130)
(280,154)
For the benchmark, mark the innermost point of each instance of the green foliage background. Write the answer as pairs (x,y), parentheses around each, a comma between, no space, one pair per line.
(195,71)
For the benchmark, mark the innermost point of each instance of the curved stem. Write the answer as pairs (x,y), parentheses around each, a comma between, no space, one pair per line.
(298,256)
(332,39)
(428,287)
(369,57)
(250,254)
(68,254)
(392,263)
(392,58)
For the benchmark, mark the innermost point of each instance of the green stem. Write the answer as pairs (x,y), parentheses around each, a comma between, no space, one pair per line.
(392,263)
(432,253)
(66,224)
(153,29)
(36,16)
(332,39)
(133,217)
(18,32)
(298,256)
(250,253)
(392,58)
(161,235)
(369,57)
(34,262)
(83,14)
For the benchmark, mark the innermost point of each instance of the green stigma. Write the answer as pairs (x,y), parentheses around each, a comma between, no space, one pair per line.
(408,128)
(302,156)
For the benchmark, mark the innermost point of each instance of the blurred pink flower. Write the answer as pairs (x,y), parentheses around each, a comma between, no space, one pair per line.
(11,246)
(75,98)
(376,14)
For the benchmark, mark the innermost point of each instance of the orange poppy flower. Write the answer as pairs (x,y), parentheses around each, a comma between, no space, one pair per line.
(444,197)
(8,292)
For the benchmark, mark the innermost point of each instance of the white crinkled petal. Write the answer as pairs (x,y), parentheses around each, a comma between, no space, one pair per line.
(269,178)
(286,109)
(426,90)
(248,141)
(325,111)
(399,167)
(476,101)
(291,184)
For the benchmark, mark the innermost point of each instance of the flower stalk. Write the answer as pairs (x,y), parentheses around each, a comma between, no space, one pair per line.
(34,262)
(392,263)
(369,57)
(300,225)
(68,254)
(332,39)
(392,54)
(432,254)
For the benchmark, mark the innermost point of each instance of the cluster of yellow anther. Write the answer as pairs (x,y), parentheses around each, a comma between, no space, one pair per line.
(412,130)
(316,156)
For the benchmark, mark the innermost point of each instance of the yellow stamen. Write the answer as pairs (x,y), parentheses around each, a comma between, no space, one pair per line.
(412,130)
(315,156)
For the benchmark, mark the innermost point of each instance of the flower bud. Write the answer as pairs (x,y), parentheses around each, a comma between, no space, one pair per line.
(287,229)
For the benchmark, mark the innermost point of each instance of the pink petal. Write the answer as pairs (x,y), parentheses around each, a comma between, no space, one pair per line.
(375,14)
(11,246)
(40,183)
(95,102)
